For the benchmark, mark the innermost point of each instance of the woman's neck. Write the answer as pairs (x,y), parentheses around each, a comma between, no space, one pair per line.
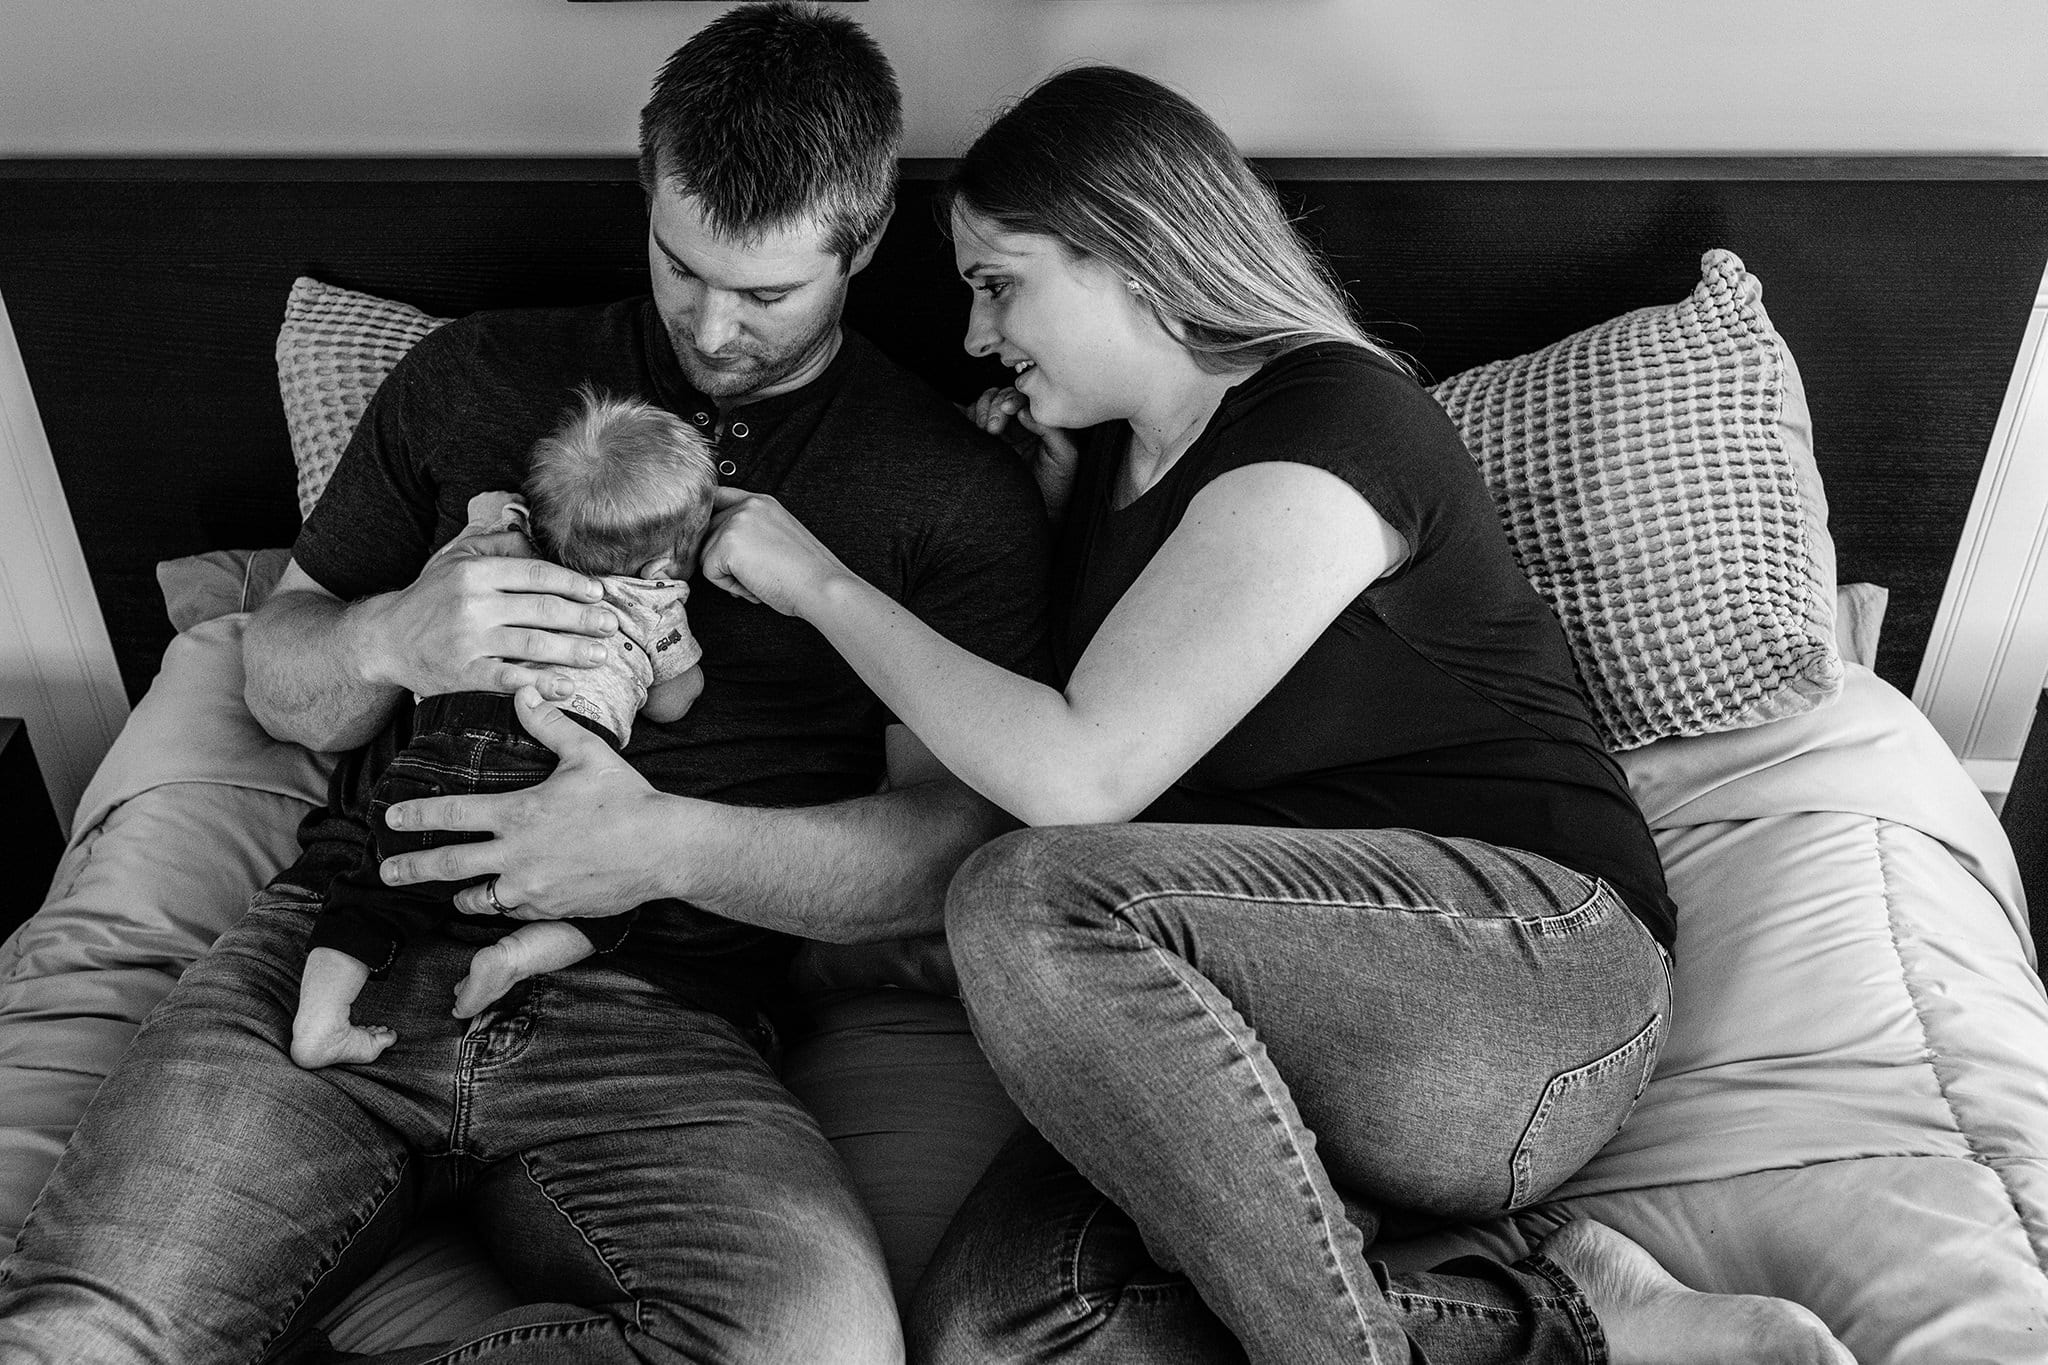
(1165,429)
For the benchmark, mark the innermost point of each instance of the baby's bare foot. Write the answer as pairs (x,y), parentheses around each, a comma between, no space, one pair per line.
(325,1042)
(1652,1319)
(491,973)
(530,950)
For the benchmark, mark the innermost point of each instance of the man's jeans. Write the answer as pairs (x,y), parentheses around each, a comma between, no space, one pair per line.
(634,1166)
(1222,1028)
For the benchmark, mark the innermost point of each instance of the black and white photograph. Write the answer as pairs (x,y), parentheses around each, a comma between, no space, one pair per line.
(1023,682)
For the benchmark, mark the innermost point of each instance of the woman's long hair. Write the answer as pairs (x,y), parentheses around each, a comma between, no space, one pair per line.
(1118,167)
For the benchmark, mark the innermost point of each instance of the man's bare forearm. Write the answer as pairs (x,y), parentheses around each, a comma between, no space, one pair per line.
(304,674)
(326,674)
(860,871)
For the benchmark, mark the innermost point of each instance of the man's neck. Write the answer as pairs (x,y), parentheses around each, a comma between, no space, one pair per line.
(820,361)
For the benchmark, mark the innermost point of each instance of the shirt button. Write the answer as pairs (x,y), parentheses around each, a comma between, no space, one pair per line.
(739,428)
(728,468)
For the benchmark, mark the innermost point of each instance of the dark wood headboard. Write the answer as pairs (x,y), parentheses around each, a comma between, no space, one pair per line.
(146,297)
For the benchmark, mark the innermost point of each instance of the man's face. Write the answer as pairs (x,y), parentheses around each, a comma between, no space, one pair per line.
(747,319)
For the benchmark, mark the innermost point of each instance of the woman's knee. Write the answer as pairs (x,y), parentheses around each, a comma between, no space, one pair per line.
(1005,886)
(1019,887)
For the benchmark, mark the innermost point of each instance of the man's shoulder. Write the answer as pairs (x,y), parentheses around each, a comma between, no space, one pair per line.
(904,414)
(508,373)
(522,338)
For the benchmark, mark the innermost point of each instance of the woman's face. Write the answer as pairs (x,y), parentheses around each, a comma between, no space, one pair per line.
(1076,339)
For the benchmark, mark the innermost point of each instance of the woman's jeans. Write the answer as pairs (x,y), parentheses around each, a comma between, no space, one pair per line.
(1223,1028)
(633,1165)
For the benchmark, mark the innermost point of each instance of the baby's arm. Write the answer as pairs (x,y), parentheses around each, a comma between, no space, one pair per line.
(669,700)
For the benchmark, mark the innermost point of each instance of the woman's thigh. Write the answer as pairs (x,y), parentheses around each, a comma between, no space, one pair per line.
(1459,1026)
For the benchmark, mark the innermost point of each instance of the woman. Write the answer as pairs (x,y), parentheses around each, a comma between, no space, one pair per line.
(1332,887)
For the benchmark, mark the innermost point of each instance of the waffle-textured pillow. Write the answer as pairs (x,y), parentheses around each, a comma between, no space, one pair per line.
(333,351)
(1656,476)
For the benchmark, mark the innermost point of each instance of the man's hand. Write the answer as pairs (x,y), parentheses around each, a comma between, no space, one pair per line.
(578,843)
(484,623)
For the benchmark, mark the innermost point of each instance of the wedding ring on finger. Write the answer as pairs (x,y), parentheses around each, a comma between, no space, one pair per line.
(491,895)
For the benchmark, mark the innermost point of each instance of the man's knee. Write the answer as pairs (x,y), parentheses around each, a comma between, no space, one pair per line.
(1093,1295)
(810,1298)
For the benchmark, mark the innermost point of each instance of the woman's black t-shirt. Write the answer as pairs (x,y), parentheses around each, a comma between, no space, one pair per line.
(1442,699)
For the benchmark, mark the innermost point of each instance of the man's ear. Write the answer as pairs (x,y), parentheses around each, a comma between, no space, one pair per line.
(867,253)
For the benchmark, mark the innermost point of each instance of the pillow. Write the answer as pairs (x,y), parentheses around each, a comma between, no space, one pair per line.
(1859,618)
(333,351)
(200,587)
(1656,477)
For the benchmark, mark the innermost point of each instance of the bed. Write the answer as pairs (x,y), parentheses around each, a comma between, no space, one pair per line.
(1719,401)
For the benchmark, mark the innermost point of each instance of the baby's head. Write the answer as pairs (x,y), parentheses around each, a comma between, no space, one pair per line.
(621,487)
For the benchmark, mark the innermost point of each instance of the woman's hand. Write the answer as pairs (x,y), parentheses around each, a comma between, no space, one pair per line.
(757,550)
(1048,451)
(591,839)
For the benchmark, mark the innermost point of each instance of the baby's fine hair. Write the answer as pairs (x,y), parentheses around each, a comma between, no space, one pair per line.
(618,483)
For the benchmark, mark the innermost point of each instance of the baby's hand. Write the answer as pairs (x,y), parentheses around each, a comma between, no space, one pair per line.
(1048,451)
(671,700)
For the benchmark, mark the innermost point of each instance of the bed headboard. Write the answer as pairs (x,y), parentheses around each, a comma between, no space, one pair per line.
(146,297)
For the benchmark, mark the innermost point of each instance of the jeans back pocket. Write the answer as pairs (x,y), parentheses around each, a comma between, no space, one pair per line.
(1579,1112)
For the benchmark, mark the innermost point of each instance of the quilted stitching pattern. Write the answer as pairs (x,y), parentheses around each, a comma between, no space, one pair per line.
(333,351)
(1653,498)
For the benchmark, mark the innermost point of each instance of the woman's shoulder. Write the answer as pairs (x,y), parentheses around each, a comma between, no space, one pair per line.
(1332,381)
(1334,393)
(1360,416)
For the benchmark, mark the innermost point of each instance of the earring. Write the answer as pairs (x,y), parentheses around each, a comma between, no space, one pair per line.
(1131,283)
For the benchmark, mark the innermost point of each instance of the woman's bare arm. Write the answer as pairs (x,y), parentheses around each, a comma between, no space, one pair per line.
(1264,560)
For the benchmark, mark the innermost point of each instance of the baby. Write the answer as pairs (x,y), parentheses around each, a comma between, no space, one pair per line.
(620,491)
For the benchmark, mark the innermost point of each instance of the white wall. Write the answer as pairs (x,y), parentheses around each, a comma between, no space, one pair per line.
(1988,651)
(57,669)
(1287,77)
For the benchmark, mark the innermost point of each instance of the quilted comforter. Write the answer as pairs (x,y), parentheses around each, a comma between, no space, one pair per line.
(1851,1110)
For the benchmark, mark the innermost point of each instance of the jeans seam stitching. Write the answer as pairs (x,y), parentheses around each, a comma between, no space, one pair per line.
(1567,921)
(1330,902)
(1294,1148)
(524,1331)
(321,1272)
(526,1165)
(1539,923)
(1074,1291)
(1640,1049)
(1573,1299)
(1482,1310)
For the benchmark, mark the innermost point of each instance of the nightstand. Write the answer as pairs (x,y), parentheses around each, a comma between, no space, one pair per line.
(2025,817)
(31,840)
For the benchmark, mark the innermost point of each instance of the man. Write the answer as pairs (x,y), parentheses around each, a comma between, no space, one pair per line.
(616,1129)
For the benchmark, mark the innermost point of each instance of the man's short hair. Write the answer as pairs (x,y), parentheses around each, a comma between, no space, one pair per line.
(777,115)
(618,483)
